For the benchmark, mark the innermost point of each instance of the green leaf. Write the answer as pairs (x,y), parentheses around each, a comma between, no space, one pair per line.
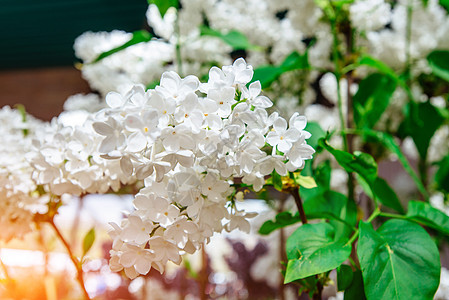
(328,204)
(322,174)
(359,162)
(356,290)
(234,38)
(442,175)
(399,261)
(152,85)
(445,4)
(305,181)
(295,61)
(388,141)
(334,206)
(372,98)
(421,122)
(439,62)
(88,241)
(283,219)
(277,181)
(316,131)
(384,193)
(425,214)
(138,37)
(267,75)
(164,5)
(379,65)
(344,277)
(311,250)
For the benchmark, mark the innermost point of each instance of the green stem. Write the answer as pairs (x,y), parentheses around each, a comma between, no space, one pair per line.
(337,73)
(422,167)
(75,260)
(408,38)
(396,216)
(374,215)
(178,44)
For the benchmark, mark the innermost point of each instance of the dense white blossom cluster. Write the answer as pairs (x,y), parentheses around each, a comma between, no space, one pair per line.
(17,200)
(180,145)
(188,149)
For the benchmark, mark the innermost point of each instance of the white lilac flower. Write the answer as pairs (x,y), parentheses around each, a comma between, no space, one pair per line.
(281,137)
(184,148)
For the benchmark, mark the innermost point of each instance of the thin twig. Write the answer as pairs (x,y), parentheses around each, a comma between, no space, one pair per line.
(75,261)
(295,193)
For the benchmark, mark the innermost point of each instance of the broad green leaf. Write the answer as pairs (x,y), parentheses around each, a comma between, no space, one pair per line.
(439,62)
(356,290)
(421,122)
(379,65)
(311,250)
(138,37)
(384,193)
(322,174)
(336,207)
(372,98)
(425,214)
(295,61)
(305,181)
(88,241)
(445,4)
(277,181)
(344,277)
(442,175)
(282,219)
(359,162)
(164,5)
(237,40)
(267,75)
(234,38)
(316,131)
(388,141)
(399,261)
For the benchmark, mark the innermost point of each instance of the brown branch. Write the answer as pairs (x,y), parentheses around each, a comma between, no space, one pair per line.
(75,260)
(295,193)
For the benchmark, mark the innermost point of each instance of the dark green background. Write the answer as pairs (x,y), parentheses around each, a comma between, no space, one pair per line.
(42,33)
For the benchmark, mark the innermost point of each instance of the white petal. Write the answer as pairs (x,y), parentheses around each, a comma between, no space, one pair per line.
(190,83)
(262,102)
(133,122)
(255,89)
(114,99)
(170,80)
(127,259)
(143,265)
(280,125)
(136,142)
(126,165)
(102,128)
(108,144)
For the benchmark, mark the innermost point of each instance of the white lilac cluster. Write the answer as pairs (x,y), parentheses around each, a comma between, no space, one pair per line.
(145,62)
(140,64)
(429,28)
(65,159)
(17,200)
(188,141)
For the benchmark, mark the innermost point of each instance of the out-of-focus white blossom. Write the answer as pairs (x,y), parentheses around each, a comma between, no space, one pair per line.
(18,200)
